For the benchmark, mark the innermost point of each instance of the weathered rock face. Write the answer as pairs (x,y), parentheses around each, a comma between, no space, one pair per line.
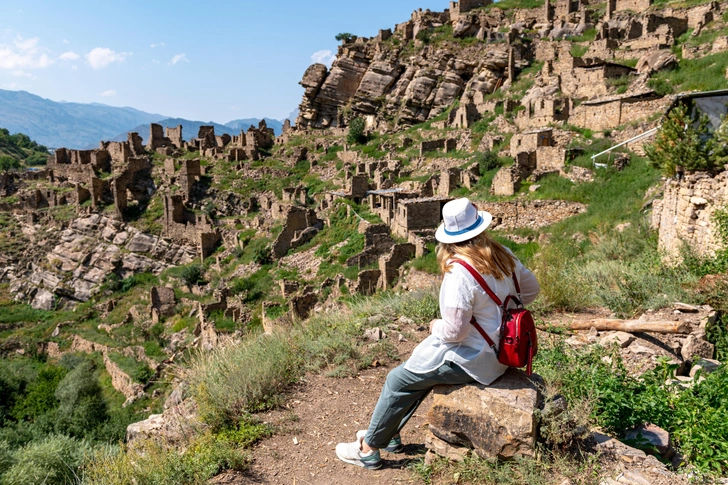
(86,253)
(374,78)
(497,421)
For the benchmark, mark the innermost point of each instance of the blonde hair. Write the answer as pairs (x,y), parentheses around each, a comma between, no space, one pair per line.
(488,256)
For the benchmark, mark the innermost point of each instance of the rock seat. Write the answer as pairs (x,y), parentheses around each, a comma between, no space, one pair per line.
(497,421)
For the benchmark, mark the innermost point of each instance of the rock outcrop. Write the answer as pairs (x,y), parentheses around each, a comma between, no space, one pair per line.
(496,421)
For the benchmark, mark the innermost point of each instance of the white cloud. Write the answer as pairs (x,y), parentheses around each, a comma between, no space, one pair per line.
(24,54)
(323,57)
(65,41)
(12,86)
(161,44)
(21,73)
(69,56)
(178,58)
(101,57)
(108,93)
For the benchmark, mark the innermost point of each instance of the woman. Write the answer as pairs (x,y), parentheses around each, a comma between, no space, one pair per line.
(454,353)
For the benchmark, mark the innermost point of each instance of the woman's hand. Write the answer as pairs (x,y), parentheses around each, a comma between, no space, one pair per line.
(432,323)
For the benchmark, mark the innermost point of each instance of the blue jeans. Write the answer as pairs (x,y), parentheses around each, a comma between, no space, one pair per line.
(402,393)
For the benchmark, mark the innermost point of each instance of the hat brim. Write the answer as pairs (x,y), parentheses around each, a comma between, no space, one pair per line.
(445,238)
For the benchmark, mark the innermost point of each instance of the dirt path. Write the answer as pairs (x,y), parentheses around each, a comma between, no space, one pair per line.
(323,411)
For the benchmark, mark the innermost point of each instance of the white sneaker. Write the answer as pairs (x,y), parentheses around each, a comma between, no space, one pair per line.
(351,453)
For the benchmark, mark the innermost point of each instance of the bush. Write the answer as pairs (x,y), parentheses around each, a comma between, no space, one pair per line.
(81,404)
(356,134)
(191,274)
(487,161)
(150,463)
(53,461)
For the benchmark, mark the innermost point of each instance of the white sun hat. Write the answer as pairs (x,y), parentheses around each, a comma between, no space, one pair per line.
(462,222)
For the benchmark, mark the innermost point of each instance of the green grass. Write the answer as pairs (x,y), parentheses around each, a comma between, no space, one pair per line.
(236,379)
(703,74)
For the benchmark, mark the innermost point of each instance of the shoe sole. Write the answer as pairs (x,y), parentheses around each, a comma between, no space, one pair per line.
(373,466)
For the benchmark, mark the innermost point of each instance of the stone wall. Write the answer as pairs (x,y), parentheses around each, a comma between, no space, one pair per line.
(418,214)
(609,113)
(633,5)
(685,215)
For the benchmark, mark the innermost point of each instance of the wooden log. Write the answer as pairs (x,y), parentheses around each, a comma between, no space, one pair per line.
(631,326)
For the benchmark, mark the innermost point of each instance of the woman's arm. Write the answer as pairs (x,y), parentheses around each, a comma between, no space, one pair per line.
(456,311)
(529,284)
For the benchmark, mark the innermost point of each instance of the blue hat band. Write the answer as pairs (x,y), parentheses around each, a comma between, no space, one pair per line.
(478,222)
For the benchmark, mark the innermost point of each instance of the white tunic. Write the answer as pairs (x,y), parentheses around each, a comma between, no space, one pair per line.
(454,338)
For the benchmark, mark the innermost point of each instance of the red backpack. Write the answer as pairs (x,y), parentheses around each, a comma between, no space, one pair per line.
(518,341)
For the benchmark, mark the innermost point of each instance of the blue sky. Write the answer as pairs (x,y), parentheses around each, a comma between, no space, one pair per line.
(209,61)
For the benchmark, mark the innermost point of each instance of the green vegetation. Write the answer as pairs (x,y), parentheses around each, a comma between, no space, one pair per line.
(702,74)
(344,36)
(19,150)
(238,379)
(682,141)
(149,462)
(357,133)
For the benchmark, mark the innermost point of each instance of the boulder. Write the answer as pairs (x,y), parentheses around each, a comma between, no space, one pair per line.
(697,347)
(656,61)
(650,436)
(496,421)
(623,339)
(43,300)
(175,424)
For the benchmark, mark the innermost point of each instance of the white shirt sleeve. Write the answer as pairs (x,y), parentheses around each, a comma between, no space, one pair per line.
(456,307)
(528,283)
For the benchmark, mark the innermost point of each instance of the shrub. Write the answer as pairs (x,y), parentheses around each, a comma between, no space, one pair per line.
(682,141)
(151,463)
(356,134)
(54,460)
(81,404)
(191,274)
(487,161)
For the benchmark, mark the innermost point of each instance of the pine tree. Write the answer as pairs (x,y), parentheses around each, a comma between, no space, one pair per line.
(682,141)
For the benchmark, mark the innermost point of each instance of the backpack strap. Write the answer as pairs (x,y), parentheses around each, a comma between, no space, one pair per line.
(490,293)
(479,278)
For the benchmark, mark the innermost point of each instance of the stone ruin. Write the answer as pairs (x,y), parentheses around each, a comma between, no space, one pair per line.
(184,225)
(301,225)
(685,218)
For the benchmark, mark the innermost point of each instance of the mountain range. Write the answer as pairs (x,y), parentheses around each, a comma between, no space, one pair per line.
(78,125)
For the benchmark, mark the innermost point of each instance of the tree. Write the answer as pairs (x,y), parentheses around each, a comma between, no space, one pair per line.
(81,406)
(345,36)
(721,143)
(356,133)
(682,141)
(8,163)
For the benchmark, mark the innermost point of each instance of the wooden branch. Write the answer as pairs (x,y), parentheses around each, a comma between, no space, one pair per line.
(631,326)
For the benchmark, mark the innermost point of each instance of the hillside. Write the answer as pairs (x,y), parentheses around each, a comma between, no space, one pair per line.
(73,125)
(19,150)
(228,304)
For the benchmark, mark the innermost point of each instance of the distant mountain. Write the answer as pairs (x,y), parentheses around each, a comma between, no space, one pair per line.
(73,125)
(248,122)
(293,116)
